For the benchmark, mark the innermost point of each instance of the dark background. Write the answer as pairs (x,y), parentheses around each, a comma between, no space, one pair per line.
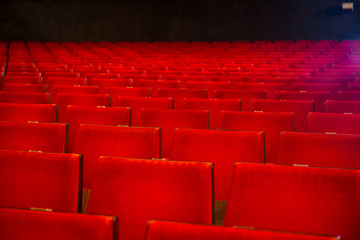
(209,20)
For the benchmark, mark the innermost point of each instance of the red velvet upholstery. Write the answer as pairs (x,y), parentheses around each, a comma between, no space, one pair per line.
(137,190)
(67,81)
(28,112)
(76,114)
(110,82)
(24,97)
(40,180)
(318,97)
(98,140)
(349,95)
(319,150)
(156,84)
(56,89)
(65,99)
(21,87)
(168,120)
(179,93)
(270,88)
(334,123)
(333,88)
(167,230)
(22,79)
(46,137)
(214,106)
(342,106)
(136,103)
(35,225)
(296,199)
(246,96)
(126,91)
(272,123)
(299,108)
(210,86)
(223,148)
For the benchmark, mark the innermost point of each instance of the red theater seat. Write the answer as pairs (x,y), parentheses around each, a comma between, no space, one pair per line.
(126,91)
(333,88)
(318,97)
(137,103)
(214,106)
(22,79)
(179,93)
(137,190)
(168,120)
(210,86)
(25,87)
(111,82)
(46,137)
(223,148)
(246,96)
(167,230)
(156,84)
(269,122)
(349,95)
(270,88)
(299,108)
(76,115)
(40,180)
(25,224)
(295,199)
(18,112)
(56,89)
(51,81)
(24,97)
(342,106)
(319,150)
(65,99)
(94,141)
(334,123)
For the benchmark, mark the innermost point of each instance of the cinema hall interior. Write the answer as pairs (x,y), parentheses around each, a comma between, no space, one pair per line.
(177,120)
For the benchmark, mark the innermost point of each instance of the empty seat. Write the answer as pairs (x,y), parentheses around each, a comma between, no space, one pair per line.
(349,95)
(318,97)
(179,93)
(22,79)
(77,114)
(295,199)
(210,86)
(98,140)
(246,96)
(65,99)
(214,106)
(156,84)
(69,81)
(272,123)
(319,150)
(18,112)
(24,97)
(168,120)
(137,103)
(56,89)
(270,88)
(46,137)
(137,190)
(223,148)
(168,230)
(299,108)
(333,88)
(342,106)
(334,123)
(25,224)
(126,91)
(40,180)
(25,87)
(110,82)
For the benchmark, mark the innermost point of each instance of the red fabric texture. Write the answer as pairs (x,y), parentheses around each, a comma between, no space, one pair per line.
(94,141)
(270,88)
(333,88)
(65,99)
(137,103)
(21,87)
(210,86)
(272,123)
(319,150)
(179,93)
(64,81)
(77,114)
(296,199)
(24,224)
(28,112)
(126,91)
(110,82)
(168,120)
(246,96)
(156,84)
(137,190)
(22,79)
(299,108)
(342,106)
(46,137)
(214,106)
(41,180)
(349,95)
(56,89)
(223,148)
(24,97)
(319,97)
(167,230)
(334,122)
